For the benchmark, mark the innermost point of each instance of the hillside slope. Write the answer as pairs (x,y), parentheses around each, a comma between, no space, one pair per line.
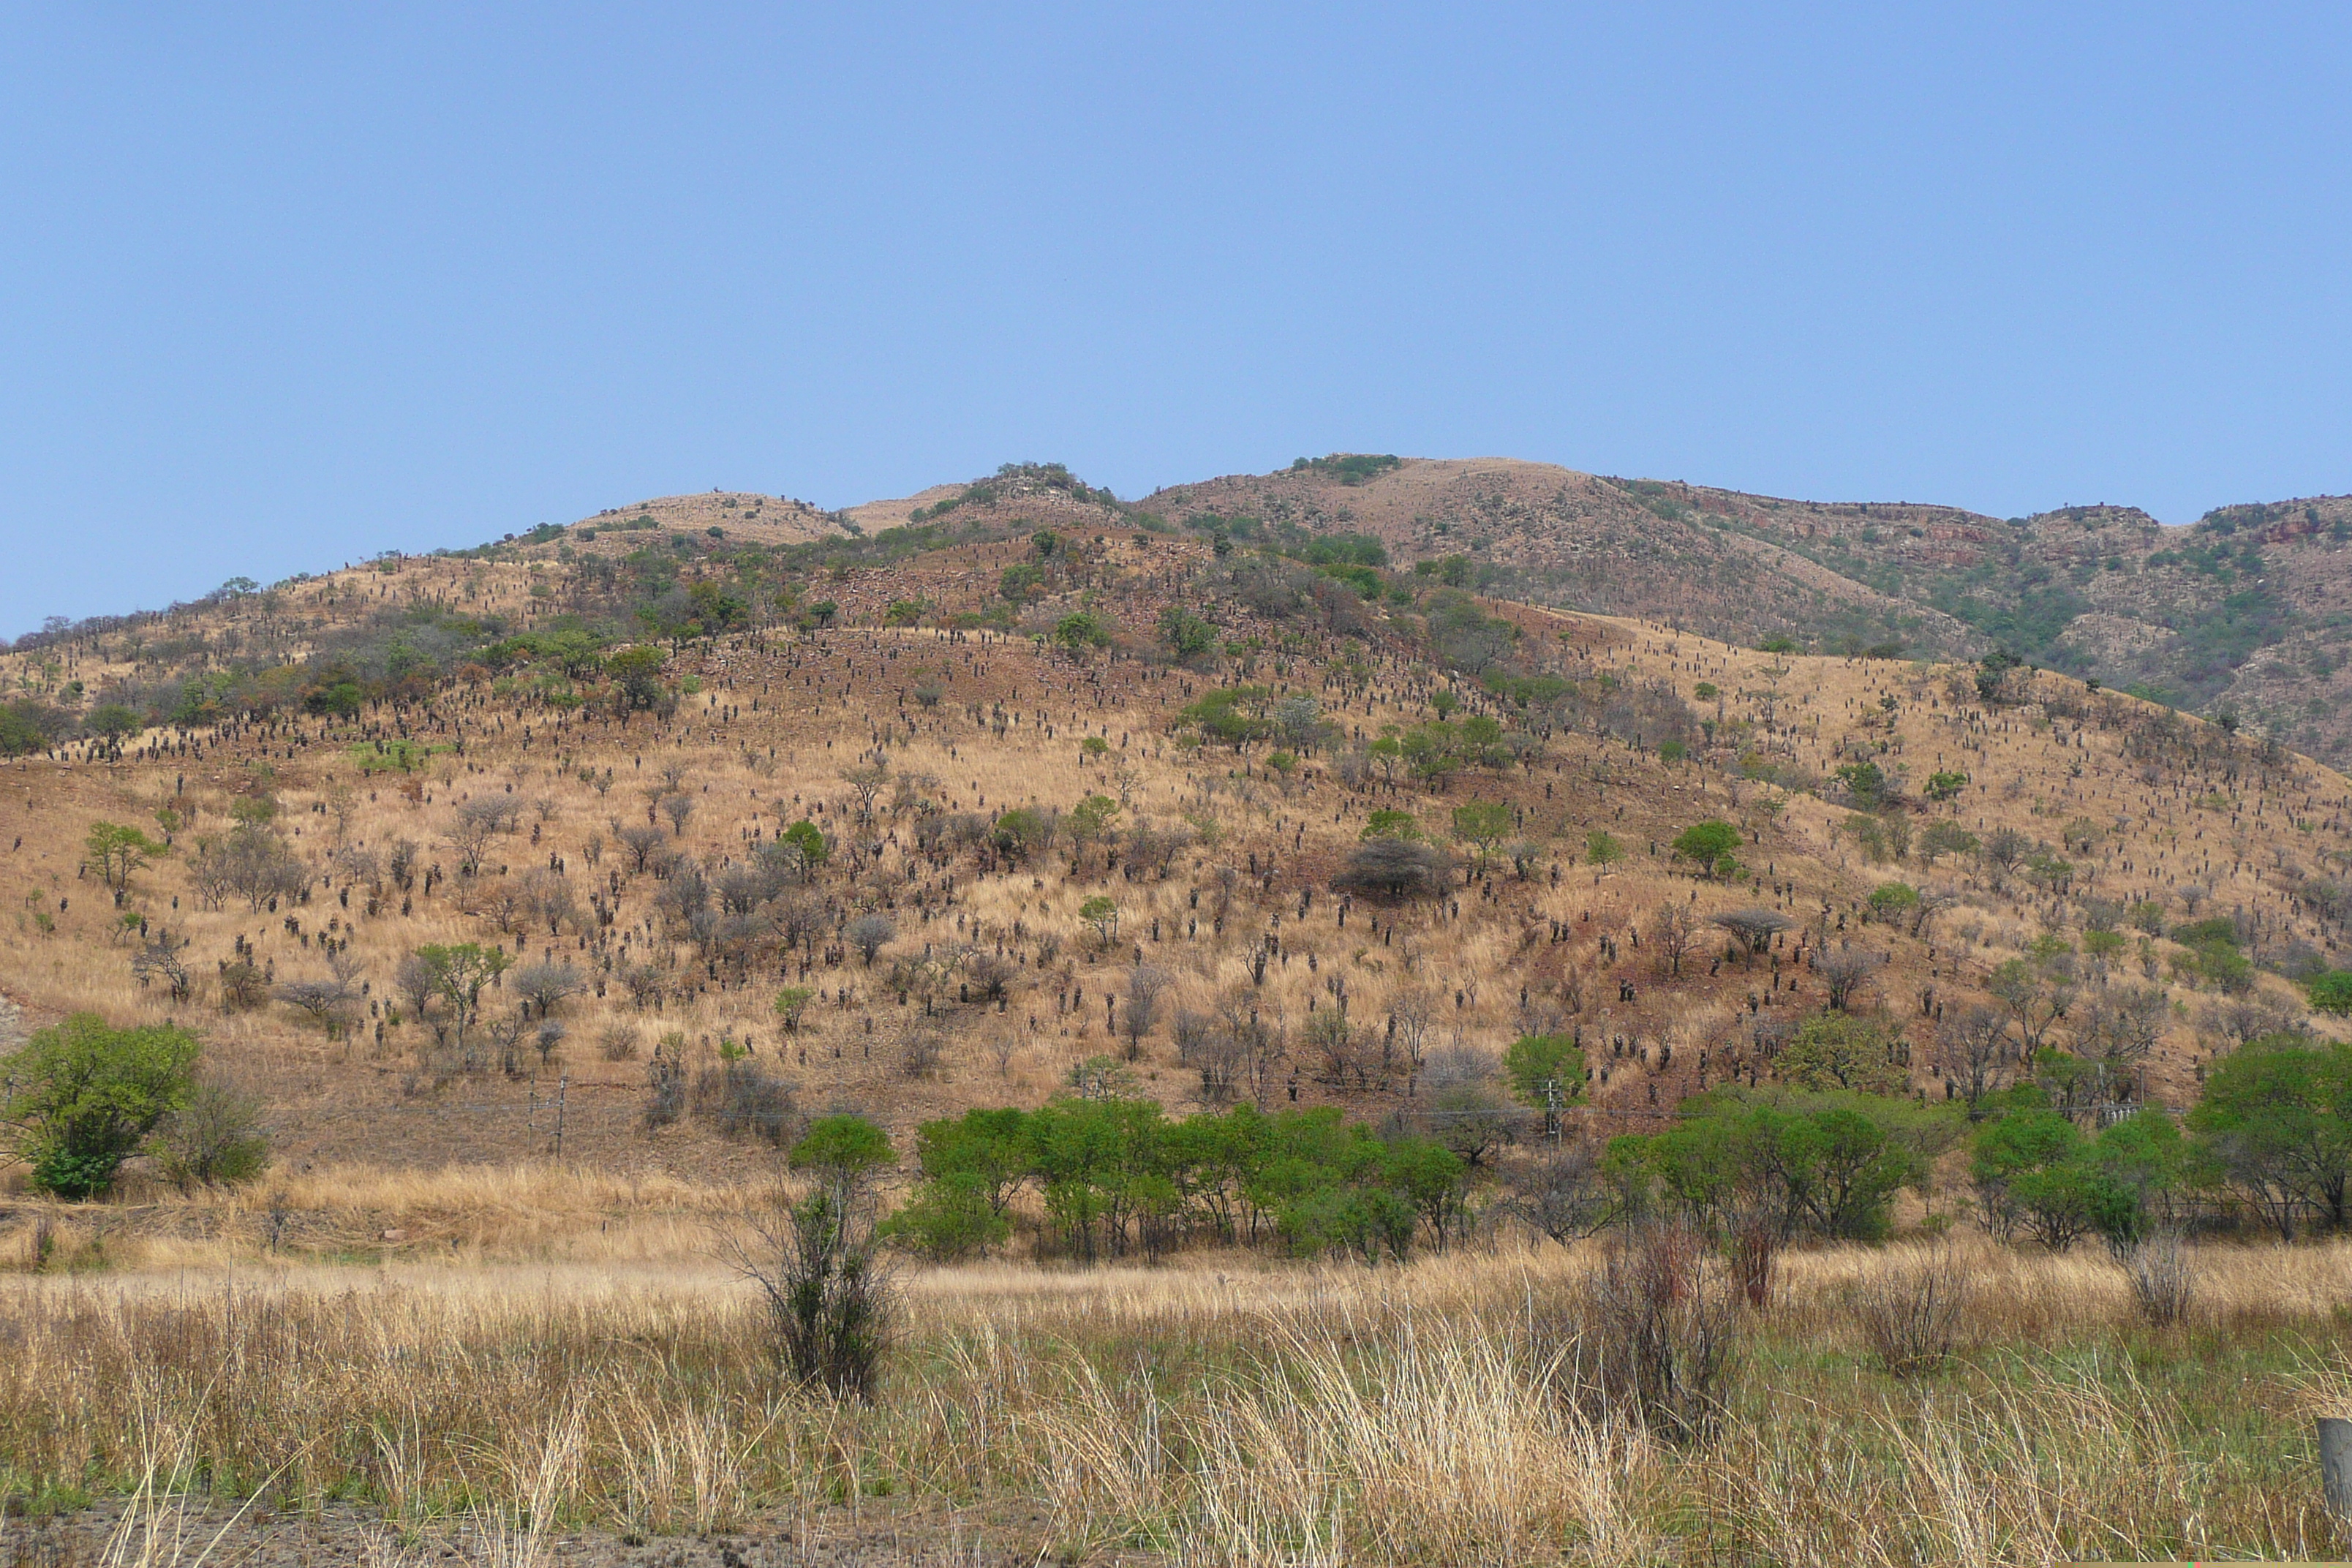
(591,760)
(2248,612)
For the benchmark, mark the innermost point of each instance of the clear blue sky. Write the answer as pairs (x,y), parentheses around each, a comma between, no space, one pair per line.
(286,285)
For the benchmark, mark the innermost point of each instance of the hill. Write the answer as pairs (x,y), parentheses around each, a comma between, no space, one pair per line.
(2241,613)
(1086,797)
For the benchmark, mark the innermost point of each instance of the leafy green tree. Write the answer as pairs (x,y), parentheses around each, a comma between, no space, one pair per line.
(113,722)
(808,838)
(118,852)
(1483,824)
(2140,1162)
(2029,1168)
(1945,785)
(1534,1061)
(1090,821)
(1839,1051)
(1891,900)
(1387,824)
(1023,581)
(791,1003)
(2274,1125)
(2332,992)
(842,1148)
(1831,1164)
(1865,782)
(1080,630)
(1709,845)
(947,1220)
(1602,850)
(1944,837)
(827,1295)
(1021,833)
(1992,676)
(637,670)
(27,726)
(1188,636)
(1101,912)
(87,1097)
(1229,715)
(457,973)
(1433,750)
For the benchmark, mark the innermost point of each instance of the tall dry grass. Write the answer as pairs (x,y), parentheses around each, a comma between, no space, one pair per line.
(1229,1411)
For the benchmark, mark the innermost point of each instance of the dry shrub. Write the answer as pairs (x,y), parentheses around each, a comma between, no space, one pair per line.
(1666,1316)
(1755,1255)
(742,1100)
(2162,1277)
(1910,1309)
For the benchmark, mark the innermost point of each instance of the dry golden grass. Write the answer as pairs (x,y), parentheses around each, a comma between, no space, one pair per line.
(1228,1412)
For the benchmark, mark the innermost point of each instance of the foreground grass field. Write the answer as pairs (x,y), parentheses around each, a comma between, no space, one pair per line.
(1224,1411)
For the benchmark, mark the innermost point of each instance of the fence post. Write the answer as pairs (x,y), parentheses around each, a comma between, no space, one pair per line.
(563,1092)
(2336,1464)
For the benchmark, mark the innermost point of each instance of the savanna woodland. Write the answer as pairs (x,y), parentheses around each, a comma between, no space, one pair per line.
(1388,1011)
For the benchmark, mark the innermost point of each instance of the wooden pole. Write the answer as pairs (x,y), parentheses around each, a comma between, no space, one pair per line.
(563,1092)
(2336,1464)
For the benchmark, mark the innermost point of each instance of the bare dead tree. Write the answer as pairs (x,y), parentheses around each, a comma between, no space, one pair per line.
(1846,971)
(1978,1051)
(1675,930)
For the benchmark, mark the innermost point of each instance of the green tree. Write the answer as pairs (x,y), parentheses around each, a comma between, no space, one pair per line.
(1080,630)
(1388,823)
(1090,820)
(842,1148)
(2274,1125)
(457,973)
(1839,1051)
(1891,900)
(1827,1164)
(111,722)
(1229,715)
(118,852)
(1483,824)
(1188,636)
(808,838)
(1021,832)
(87,1097)
(1709,845)
(791,1003)
(816,1264)
(1534,1061)
(2332,992)
(1865,782)
(1945,785)
(1602,850)
(637,670)
(1101,912)
(1023,581)
(1944,837)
